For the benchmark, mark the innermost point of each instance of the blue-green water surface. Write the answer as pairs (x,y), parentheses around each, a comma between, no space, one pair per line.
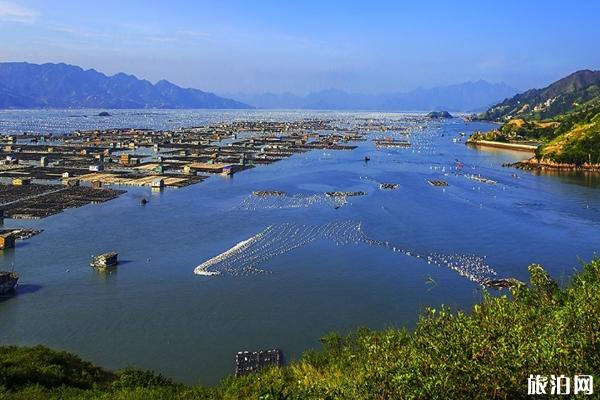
(154,313)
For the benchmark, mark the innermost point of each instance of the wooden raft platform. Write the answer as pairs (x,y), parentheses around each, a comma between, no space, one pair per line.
(247,362)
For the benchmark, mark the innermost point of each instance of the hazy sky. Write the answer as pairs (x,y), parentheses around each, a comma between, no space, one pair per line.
(299,46)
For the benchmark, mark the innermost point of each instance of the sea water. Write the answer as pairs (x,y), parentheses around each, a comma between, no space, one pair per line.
(315,272)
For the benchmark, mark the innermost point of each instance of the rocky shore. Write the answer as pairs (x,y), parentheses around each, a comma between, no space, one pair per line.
(535,164)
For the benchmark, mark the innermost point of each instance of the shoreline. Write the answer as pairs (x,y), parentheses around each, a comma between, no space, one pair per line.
(533,164)
(528,148)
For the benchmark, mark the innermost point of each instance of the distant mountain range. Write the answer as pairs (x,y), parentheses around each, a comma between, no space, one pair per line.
(25,85)
(469,96)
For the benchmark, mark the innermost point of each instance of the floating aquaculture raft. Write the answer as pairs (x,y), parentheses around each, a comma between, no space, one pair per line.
(105,261)
(437,182)
(247,362)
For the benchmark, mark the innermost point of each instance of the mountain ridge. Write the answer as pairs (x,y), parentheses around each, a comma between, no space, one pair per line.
(548,102)
(60,85)
(465,97)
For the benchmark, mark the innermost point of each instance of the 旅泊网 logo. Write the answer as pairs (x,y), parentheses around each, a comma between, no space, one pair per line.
(560,385)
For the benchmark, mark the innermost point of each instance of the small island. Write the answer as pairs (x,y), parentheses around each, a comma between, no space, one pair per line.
(104,114)
(439,115)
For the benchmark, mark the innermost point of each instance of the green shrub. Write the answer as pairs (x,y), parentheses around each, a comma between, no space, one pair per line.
(38,365)
(133,378)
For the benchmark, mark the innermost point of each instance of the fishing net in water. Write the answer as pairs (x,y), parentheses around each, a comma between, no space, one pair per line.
(247,256)
(280,202)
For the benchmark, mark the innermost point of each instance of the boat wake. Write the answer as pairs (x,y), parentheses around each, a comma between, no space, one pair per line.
(246,256)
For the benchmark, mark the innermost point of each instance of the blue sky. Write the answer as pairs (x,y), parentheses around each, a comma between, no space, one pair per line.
(301,46)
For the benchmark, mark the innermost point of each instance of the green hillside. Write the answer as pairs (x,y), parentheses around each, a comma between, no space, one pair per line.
(558,98)
(487,354)
(567,125)
(579,145)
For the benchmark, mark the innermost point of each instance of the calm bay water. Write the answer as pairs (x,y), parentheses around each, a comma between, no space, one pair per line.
(154,313)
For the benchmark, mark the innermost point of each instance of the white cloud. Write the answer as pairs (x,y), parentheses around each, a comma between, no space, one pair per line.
(10,11)
(194,34)
(78,32)
(162,39)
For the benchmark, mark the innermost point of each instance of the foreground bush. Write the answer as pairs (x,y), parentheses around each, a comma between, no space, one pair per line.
(536,329)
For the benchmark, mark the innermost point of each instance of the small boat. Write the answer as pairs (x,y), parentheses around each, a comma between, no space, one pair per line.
(8,281)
